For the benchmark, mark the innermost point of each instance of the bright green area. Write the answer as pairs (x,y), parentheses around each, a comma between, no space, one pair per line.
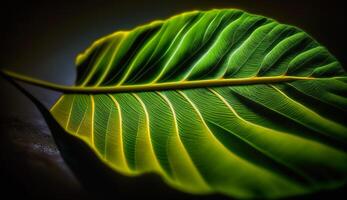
(255,140)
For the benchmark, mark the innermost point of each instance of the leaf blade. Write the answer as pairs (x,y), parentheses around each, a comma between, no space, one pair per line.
(232,103)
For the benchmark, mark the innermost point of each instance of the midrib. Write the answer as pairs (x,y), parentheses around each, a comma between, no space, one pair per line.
(154,86)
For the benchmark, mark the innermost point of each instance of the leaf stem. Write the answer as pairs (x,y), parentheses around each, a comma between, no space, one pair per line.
(151,87)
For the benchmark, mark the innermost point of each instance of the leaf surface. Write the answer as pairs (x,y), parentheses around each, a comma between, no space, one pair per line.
(217,101)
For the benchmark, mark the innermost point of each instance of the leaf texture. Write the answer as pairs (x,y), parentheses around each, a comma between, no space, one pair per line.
(269,139)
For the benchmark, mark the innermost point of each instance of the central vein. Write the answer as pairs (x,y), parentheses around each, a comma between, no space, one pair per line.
(152,87)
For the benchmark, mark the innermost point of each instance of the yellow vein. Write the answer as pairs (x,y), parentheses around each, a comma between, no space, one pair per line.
(149,132)
(109,114)
(227,104)
(254,49)
(142,49)
(293,68)
(175,132)
(322,100)
(57,103)
(332,127)
(190,161)
(216,140)
(69,115)
(212,22)
(196,51)
(155,86)
(83,118)
(296,102)
(177,49)
(209,49)
(209,130)
(167,49)
(231,49)
(270,45)
(121,39)
(92,72)
(278,111)
(204,123)
(269,154)
(120,121)
(326,66)
(156,49)
(288,47)
(92,120)
(173,115)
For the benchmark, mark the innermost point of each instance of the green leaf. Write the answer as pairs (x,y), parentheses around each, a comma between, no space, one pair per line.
(217,101)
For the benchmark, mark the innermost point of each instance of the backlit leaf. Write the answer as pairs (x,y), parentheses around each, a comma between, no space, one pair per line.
(217,101)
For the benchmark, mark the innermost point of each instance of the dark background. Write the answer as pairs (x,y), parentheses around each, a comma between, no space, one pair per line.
(42,38)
